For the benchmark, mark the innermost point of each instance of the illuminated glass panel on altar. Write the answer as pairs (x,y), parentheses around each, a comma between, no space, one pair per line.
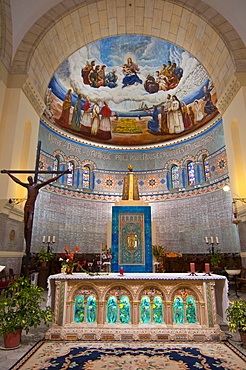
(91,309)
(178,310)
(157,308)
(145,310)
(79,310)
(190,310)
(112,310)
(124,310)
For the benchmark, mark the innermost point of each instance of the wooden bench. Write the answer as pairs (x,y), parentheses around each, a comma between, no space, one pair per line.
(241,280)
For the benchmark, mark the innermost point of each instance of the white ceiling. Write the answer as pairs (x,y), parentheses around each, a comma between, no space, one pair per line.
(26,12)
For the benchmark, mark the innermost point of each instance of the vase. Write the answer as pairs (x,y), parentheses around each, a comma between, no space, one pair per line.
(12,340)
(69,270)
(243,338)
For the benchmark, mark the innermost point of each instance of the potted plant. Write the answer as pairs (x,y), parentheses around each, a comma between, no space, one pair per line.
(20,309)
(236,317)
(215,258)
(44,256)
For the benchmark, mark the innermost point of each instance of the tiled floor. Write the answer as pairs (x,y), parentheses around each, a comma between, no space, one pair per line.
(10,357)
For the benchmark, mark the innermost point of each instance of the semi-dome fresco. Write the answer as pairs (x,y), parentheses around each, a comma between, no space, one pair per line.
(130,90)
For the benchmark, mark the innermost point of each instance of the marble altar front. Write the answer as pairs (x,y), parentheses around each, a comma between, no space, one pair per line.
(135,306)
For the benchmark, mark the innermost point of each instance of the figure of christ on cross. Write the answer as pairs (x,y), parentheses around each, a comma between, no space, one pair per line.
(32,193)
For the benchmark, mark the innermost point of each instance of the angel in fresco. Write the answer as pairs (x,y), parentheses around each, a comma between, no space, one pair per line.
(130,70)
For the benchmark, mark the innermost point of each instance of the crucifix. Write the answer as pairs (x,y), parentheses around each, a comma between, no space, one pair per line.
(33,188)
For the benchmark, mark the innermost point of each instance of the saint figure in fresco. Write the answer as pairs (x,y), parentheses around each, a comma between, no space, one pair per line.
(130,186)
(76,116)
(65,115)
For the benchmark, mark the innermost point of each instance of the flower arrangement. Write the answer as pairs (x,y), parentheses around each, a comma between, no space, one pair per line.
(158,251)
(68,260)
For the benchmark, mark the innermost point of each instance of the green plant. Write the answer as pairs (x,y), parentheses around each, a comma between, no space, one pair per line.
(20,307)
(44,256)
(215,258)
(236,316)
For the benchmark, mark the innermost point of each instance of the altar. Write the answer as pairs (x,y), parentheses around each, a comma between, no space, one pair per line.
(135,306)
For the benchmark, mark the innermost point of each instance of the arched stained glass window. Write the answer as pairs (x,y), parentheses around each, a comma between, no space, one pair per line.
(124,310)
(70,175)
(175,177)
(178,310)
(157,310)
(79,309)
(190,310)
(86,177)
(191,174)
(91,309)
(56,164)
(206,169)
(112,310)
(145,310)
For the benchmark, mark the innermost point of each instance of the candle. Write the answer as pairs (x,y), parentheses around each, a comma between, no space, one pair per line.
(48,239)
(121,270)
(212,239)
(217,240)
(206,239)
(43,239)
(192,267)
(54,239)
(207,268)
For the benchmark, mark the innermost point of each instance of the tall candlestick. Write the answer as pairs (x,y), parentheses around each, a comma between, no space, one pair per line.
(54,239)
(206,239)
(43,239)
(217,240)
(207,268)
(212,239)
(192,267)
(48,239)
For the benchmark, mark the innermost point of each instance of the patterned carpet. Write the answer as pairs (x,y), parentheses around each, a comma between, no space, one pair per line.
(54,355)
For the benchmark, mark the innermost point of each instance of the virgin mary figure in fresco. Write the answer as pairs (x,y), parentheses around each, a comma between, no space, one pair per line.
(130,70)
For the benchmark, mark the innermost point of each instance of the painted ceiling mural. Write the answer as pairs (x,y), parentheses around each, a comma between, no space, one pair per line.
(130,90)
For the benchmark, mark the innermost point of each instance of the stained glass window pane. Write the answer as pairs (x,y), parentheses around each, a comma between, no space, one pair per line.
(70,174)
(145,310)
(112,310)
(178,310)
(91,312)
(191,174)
(206,170)
(124,310)
(175,177)
(157,310)
(86,177)
(79,310)
(55,166)
(190,310)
